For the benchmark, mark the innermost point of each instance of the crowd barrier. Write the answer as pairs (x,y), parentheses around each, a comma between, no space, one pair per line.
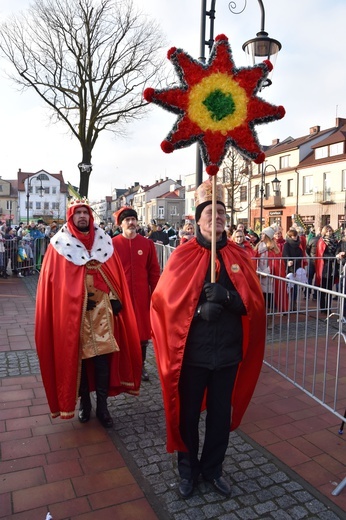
(306,328)
(22,257)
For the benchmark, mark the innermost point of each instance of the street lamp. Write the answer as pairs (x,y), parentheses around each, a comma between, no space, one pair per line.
(261,47)
(276,183)
(40,189)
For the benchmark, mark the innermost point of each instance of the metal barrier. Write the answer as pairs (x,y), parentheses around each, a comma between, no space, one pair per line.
(306,329)
(22,256)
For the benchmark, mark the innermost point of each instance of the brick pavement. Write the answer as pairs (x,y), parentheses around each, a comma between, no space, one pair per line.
(85,472)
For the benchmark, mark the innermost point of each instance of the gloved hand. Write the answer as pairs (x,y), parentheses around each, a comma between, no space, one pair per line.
(91,304)
(216,293)
(209,311)
(116,306)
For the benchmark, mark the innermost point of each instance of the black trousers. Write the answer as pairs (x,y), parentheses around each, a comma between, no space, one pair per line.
(192,385)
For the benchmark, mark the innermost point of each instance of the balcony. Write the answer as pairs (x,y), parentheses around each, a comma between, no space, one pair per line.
(324,197)
(273,201)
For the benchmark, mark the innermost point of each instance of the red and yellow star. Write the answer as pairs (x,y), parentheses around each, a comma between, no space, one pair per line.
(216,104)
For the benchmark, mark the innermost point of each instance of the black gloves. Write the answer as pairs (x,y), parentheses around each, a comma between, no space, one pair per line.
(214,292)
(116,306)
(209,311)
(91,304)
(217,294)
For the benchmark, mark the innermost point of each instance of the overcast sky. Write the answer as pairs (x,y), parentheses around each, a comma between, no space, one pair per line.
(309,80)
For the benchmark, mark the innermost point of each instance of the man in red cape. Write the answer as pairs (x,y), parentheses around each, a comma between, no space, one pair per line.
(142,270)
(209,343)
(85,319)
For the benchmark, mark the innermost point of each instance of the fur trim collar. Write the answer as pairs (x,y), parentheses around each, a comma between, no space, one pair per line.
(74,251)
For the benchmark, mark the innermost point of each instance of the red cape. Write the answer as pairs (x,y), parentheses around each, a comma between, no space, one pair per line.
(60,304)
(173,305)
(142,270)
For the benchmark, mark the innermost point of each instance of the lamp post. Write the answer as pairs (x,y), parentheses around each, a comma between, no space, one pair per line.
(276,183)
(40,188)
(261,47)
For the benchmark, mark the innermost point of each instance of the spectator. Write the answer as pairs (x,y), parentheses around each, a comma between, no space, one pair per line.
(159,236)
(293,256)
(311,248)
(188,232)
(326,250)
(279,239)
(238,238)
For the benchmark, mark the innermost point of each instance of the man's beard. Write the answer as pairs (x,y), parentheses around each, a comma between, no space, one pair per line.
(83,227)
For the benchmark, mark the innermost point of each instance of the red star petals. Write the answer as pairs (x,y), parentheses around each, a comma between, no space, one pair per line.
(217,105)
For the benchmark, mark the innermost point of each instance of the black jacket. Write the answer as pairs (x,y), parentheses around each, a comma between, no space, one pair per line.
(216,344)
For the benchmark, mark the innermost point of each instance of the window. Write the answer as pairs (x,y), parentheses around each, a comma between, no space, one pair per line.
(53,190)
(55,205)
(46,191)
(0,187)
(336,149)
(243,194)
(307,184)
(321,152)
(173,210)
(267,190)
(161,213)
(38,205)
(226,174)
(290,188)
(9,205)
(46,205)
(257,191)
(343,180)
(284,161)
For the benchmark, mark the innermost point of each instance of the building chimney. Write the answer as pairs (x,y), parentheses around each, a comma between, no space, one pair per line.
(340,121)
(275,141)
(314,129)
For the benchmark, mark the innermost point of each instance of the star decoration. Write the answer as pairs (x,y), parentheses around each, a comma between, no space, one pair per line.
(216,105)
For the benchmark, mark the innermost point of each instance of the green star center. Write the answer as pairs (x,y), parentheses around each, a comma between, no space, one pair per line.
(219,104)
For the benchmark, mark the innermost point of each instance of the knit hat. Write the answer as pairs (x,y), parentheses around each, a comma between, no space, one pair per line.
(124,212)
(203,197)
(269,231)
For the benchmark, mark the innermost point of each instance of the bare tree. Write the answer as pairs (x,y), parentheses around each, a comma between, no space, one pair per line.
(234,176)
(89,60)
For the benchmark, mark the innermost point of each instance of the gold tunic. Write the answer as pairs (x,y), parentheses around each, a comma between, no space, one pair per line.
(97,331)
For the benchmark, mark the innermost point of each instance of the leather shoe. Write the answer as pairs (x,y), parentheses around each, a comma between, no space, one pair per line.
(145,375)
(186,487)
(105,419)
(221,485)
(83,415)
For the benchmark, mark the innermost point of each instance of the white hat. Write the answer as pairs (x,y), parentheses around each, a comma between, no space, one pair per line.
(269,231)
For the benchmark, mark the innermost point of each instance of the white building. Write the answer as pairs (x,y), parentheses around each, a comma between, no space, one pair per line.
(41,195)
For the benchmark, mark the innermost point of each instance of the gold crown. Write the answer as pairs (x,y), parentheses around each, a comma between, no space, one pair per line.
(204,193)
(74,201)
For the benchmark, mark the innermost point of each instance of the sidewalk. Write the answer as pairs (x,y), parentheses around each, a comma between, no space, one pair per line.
(284,462)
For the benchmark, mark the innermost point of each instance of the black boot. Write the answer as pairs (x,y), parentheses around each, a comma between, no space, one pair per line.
(85,402)
(102,384)
(145,375)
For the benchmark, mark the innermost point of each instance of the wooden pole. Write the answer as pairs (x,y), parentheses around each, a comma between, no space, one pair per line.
(213,231)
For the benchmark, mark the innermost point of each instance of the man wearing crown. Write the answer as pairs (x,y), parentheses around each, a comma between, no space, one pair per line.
(84,330)
(209,343)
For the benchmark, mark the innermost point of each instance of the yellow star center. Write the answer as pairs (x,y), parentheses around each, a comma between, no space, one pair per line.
(199,110)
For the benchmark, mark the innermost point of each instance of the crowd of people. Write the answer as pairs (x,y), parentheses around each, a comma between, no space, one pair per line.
(21,253)
(316,258)
(102,297)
